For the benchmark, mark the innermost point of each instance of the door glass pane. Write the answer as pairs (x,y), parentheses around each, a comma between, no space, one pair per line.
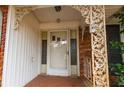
(73,46)
(44,48)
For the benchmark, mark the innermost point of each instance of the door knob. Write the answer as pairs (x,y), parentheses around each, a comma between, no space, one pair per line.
(67,52)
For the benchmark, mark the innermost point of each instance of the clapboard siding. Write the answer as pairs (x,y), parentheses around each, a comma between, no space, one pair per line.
(23,53)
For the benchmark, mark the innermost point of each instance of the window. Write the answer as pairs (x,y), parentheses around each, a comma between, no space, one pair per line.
(113,33)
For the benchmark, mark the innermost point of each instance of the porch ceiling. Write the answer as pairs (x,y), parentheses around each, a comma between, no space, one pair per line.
(110,10)
(49,14)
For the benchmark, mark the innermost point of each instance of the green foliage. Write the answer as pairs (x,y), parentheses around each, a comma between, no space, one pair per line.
(118,69)
(120,16)
(117,45)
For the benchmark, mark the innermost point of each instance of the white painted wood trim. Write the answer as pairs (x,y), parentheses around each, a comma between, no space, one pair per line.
(62,25)
(78,64)
(39,53)
(43,66)
(48,52)
(69,50)
(78,60)
(43,69)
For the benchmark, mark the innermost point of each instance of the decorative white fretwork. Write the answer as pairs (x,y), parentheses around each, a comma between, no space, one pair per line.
(20,12)
(95,16)
(99,49)
(84,10)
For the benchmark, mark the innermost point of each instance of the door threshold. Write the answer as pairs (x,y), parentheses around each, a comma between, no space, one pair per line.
(72,76)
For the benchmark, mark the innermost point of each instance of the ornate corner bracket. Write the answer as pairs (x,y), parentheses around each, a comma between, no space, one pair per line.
(20,12)
(93,14)
(84,10)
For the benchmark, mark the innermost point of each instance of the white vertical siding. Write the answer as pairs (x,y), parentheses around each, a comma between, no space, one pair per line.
(23,53)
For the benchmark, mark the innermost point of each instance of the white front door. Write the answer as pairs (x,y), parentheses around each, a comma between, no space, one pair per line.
(58,53)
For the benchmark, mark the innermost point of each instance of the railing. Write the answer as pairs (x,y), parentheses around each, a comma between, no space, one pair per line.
(87,66)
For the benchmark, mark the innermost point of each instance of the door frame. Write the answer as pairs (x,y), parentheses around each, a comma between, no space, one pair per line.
(68,49)
(78,56)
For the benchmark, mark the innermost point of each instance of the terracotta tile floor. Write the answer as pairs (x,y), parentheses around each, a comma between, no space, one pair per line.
(55,81)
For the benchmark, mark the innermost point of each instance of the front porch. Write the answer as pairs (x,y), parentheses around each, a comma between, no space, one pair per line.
(68,42)
(55,81)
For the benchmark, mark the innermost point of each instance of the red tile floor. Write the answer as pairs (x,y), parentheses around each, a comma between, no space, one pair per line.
(55,81)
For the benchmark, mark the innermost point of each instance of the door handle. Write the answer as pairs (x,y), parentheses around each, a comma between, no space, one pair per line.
(67,52)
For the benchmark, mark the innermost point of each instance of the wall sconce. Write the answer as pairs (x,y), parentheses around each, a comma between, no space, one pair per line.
(58,8)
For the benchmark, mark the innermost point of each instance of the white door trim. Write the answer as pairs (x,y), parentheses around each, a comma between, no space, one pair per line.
(78,58)
(68,48)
